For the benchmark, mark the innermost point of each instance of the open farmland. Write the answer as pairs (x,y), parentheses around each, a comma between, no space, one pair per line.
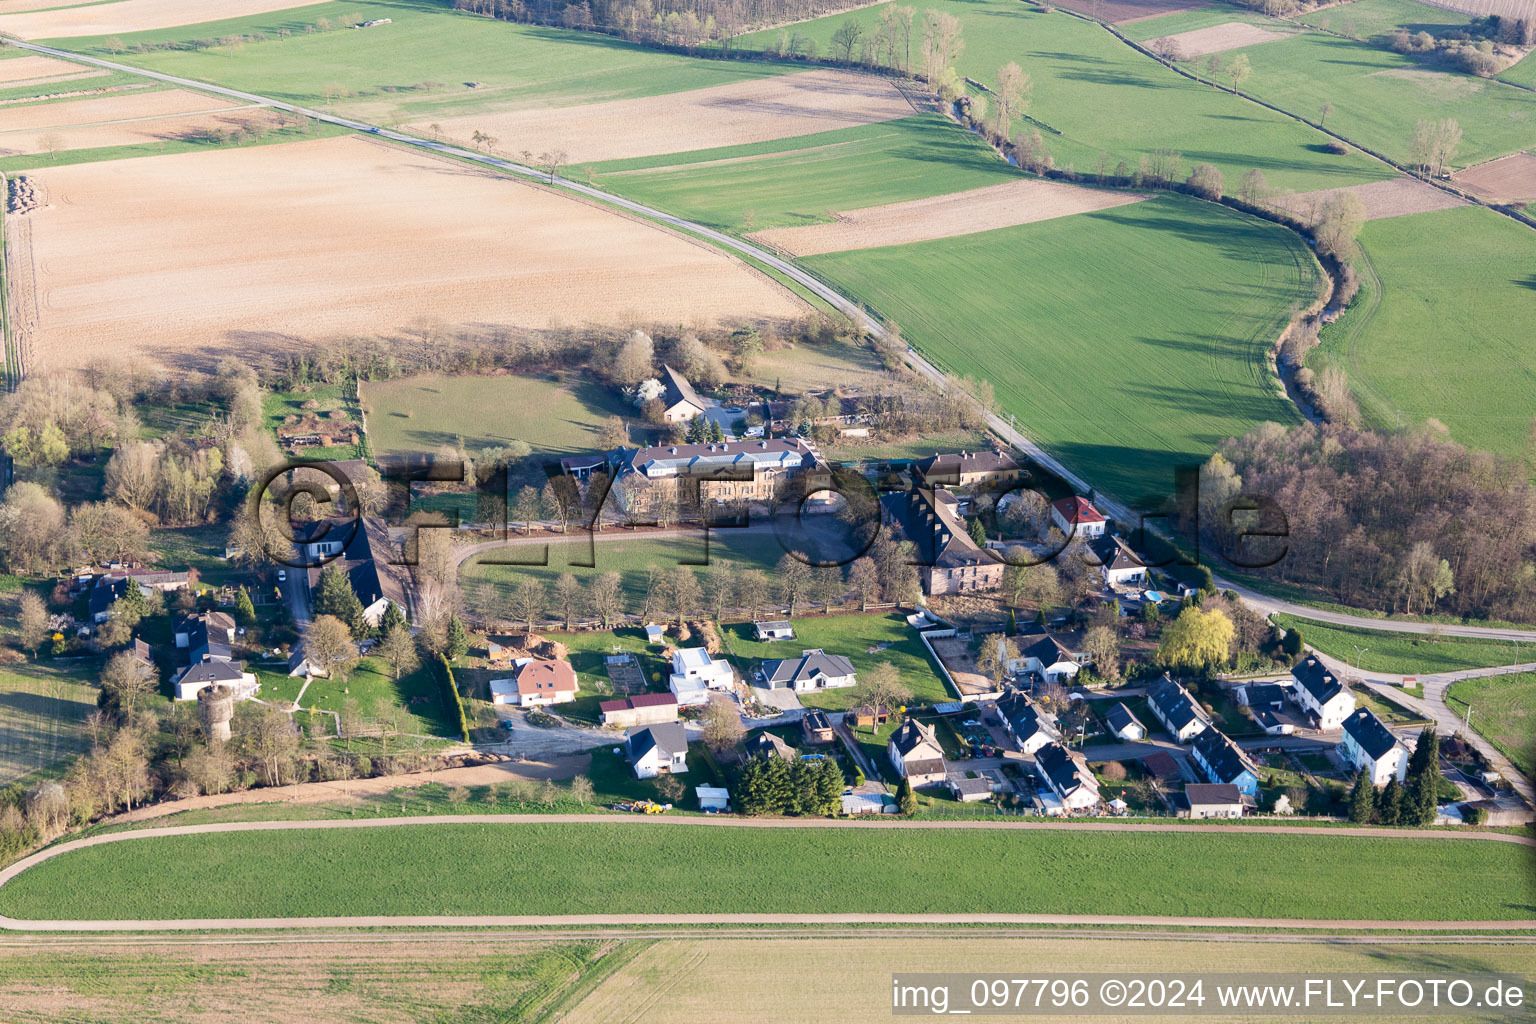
(124,119)
(800,180)
(1441,327)
(845,980)
(1376,20)
(429,63)
(1169,305)
(1395,197)
(97,19)
(1229,35)
(1378,95)
(589,867)
(738,113)
(1104,97)
(258,262)
(35,70)
(1024,201)
(421,414)
(42,718)
(1510,179)
(1504,712)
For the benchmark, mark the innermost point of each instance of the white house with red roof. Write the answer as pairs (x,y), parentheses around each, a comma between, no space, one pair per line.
(1077,515)
(538,681)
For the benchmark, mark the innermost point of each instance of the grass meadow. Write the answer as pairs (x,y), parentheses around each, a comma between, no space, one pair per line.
(1376,20)
(1406,653)
(1503,712)
(42,717)
(421,414)
(374,690)
(1127,341)
(420,65)
(640,868)
(1102,96)
(801,180)
(1441,328)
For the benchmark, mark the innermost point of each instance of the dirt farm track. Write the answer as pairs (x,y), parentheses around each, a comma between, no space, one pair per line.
(261,246)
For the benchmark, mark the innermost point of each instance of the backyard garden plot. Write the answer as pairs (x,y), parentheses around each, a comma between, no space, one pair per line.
(1104,97)
(1231,35)
(302,241)
(800,180)
(1396,197)
(637,867)
(1162,313)
(1023,201)
(1510,179)
(42,717)
(1441,328)
(93,19)
(737,113)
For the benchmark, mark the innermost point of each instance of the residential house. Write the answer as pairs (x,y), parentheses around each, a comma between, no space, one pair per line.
(680,403)
(915,753)
(1123,724)
(583,466)
(369,561)
(1220,800)
(1050,656)
(1068,776)
(766,744)
(1117,562)
(816,727)
(1370,747)
(777,630)
(299,664)
(968,469)
(724,472)
(1267,703)
(845,412)
(192,630)
(948,560)
(813,670)
(211,671)
(1161,765)
(641,709)
(1076,517)
(1224,761)
(538,681)
(660,749)
(695,673)
(1319,693)
(1172,705)
(1030,727)
(713,799)
(111,586)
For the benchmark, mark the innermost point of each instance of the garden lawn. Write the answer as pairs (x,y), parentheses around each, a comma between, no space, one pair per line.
(1405,653)
(373,686)
(630,558)
(42,716)
(1378,95)
(851,636)
(1503,713)
(811,367)
(1104,96)
(1441,328)
(420,65)
(604,867)
(1128,341)
(801,180)
(421,414)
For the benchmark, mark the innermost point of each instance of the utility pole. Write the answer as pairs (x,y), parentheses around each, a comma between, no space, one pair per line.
(1359,653)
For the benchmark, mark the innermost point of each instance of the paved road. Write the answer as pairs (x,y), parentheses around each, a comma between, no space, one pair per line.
(1272,605)
(642,821)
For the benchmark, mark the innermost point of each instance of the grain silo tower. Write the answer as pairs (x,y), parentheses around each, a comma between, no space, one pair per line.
(216,706)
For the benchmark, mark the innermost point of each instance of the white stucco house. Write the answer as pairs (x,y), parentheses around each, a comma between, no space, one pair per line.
(1370,746)
(1319,693)
(695,673)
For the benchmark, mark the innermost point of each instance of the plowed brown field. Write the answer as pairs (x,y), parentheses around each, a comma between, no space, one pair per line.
(1509,179)
(131,16)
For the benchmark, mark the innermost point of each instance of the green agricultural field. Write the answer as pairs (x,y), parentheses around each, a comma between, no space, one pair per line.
(375,691)
(1438,330)
(801,180)
(1503,712)
(421,414)
(604,867)
(1523,73)
(851,636)
(1405,653)
(1378,95)
(630,557)
(1204,17)
(42,717)
(1376,20)
(1103,96)
(421,64)
(1127,341)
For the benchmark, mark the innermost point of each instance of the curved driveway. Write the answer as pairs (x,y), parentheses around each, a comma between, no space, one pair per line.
(635,821)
